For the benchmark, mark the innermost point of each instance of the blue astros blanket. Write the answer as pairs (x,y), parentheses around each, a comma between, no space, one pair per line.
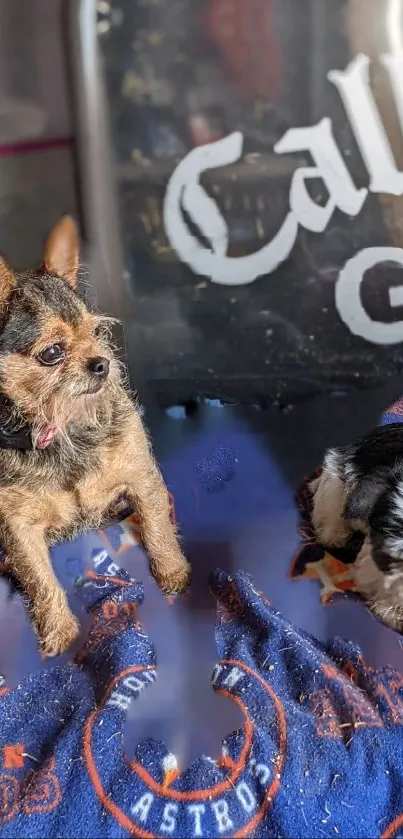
(319,753)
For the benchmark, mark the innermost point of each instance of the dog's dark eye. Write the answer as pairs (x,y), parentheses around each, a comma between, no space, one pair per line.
(52,355)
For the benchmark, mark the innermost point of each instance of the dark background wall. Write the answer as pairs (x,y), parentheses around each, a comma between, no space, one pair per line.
(180,73)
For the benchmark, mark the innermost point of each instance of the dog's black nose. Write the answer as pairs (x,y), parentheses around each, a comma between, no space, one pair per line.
(99,367)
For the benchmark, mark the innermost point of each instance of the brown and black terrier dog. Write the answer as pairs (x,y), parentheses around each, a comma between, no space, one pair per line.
(72,443)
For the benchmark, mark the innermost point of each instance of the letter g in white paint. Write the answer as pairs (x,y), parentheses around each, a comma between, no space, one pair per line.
(348,297)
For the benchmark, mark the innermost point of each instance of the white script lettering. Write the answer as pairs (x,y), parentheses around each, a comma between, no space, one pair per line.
(185,193)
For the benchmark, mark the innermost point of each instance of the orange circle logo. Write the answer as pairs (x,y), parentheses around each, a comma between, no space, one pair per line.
(149,798)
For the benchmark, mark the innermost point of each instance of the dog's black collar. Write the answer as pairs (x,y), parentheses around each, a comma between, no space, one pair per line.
(12,438)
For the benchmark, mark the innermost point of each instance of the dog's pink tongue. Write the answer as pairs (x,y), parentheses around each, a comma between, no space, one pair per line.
(46,436)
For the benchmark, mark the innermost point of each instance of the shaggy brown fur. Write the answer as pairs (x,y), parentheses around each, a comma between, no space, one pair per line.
(61,387)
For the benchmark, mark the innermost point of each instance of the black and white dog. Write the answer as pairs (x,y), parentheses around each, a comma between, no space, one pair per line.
(361,489)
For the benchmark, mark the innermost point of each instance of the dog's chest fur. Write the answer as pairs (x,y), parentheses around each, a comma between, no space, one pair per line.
(75,484)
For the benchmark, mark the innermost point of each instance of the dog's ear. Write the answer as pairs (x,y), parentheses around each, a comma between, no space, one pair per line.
(61,254)
(362,499)
(7,282)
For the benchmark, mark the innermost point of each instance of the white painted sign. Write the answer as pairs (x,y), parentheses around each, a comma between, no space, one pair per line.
(184,192)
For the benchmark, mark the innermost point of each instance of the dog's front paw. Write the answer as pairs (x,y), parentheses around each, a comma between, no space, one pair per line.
(172,576)
(57,633)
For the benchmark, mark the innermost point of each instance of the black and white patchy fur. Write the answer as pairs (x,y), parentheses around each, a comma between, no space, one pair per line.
(361,489)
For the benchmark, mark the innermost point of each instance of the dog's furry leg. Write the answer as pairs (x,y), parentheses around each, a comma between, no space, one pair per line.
(329,499)
(382,592)
(150,498)
(29,561)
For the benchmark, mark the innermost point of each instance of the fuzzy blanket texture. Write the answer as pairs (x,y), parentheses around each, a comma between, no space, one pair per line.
(319,753)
